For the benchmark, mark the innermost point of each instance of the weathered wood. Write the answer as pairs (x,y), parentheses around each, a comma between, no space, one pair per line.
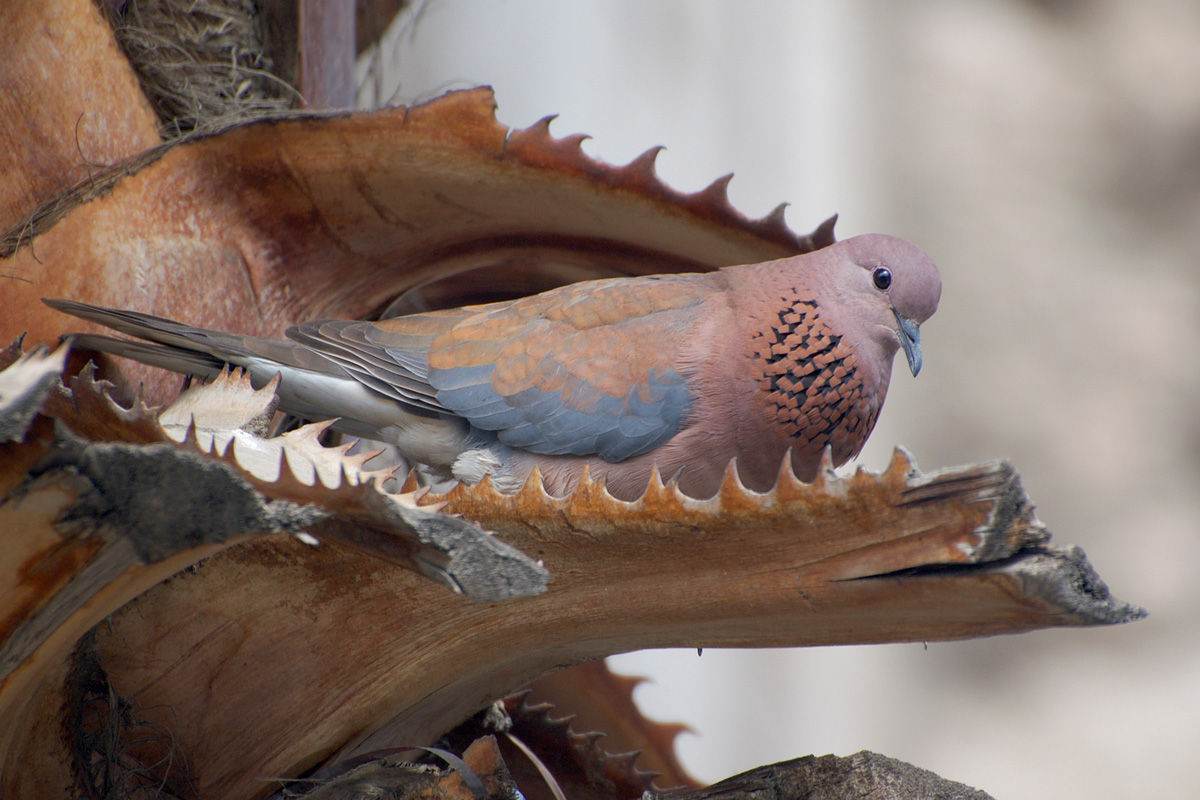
(91,516)
(88,527)
(312,44)
(70,106)
(482,771)
(24,385)
(595,699)
(896,557)
(862,775)
(372,19)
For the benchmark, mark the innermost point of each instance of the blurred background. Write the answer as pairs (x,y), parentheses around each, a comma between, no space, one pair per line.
(1047,155)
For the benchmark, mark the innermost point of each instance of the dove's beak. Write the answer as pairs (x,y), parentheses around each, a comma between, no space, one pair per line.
(910,340)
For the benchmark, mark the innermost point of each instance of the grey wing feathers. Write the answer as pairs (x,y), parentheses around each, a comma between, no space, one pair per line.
(611,427)
(350,344)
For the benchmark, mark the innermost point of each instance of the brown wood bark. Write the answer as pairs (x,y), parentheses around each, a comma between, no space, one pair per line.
(312,44)
(70,106)
(862,775)
(338,653)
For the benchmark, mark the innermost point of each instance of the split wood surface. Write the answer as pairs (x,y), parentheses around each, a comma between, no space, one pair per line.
(341,650)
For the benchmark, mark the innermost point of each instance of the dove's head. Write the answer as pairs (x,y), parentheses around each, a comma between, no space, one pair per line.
(887,286)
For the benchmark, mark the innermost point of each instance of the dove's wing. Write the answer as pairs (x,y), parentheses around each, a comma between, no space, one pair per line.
(589,369)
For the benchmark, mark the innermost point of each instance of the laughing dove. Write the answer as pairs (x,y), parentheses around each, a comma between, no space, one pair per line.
(683,371)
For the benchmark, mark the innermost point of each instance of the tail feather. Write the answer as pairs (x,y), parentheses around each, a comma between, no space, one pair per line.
(313,386)
(224,346)
(176,359)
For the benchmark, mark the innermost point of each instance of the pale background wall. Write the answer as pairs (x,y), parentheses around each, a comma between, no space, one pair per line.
(1047,155)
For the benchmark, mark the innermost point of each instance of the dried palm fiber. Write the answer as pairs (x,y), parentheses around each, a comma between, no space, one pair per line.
(202,63)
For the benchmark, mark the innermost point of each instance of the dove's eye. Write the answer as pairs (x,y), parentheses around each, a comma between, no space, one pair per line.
(882,277)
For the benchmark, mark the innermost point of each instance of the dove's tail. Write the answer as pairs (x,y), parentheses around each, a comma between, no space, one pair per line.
(188,349)
(169,345)
(312,385)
